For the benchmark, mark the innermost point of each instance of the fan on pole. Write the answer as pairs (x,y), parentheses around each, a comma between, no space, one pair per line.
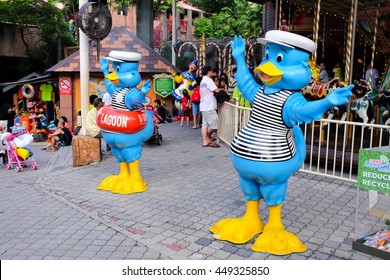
(95,21)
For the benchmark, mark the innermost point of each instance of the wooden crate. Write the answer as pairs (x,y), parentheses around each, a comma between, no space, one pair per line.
(86,149)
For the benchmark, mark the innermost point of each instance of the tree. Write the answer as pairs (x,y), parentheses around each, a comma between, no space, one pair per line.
(46,20)
(212,6)
(241,18)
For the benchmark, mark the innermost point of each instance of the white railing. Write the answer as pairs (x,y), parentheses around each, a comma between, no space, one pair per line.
(332,145)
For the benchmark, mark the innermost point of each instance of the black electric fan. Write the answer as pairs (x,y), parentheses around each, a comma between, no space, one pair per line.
(95,21)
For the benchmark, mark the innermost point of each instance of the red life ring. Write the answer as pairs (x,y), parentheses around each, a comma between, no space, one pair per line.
(121,121)
(31,93)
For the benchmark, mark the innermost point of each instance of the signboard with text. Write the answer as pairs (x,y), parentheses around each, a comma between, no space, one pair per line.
(374,169)
(163,85)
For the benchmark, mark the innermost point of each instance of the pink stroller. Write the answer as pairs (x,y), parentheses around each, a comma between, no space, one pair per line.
(14,158)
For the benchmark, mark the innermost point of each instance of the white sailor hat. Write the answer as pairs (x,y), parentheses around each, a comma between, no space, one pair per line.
(288,39)
(122,56)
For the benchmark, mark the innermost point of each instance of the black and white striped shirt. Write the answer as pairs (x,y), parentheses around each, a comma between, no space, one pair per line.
(118,99)
(266,137)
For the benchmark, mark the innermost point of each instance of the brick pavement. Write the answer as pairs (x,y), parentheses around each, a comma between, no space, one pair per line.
(56,212)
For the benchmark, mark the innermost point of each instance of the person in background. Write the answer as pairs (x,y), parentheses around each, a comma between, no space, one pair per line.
(92,128)
(215,79)
(232,82)
(7,113)
(239,99)
(162,113)
(60,137)
(195,101)
(337,71)
(91,125)
(78,125)
(185,108)
(66,124)
(106,98)
(374,77)
(222,84)
(208,107)
(91,99)
(324,77)
(224,77)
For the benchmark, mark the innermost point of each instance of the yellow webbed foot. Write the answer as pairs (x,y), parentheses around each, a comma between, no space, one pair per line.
(129,185)
(108,183)
(237,230)
(278,241)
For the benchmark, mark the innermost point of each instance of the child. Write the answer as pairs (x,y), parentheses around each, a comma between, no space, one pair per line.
(185,107)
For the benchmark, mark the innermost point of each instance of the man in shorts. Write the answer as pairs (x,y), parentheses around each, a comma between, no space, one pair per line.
(61,137)
(208,107)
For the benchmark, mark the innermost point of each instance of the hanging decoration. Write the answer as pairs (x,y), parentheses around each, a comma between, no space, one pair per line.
(349,44)
(280,14)
(202,54)
(316,28)
(28,91)
(374,44)
(364,59)
(323,39)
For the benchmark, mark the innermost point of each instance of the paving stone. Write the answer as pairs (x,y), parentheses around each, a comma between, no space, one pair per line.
(204,241)
(62,218)
(229,248)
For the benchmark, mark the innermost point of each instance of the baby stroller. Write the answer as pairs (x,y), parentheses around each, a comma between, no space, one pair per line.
(156,138)
(18,153)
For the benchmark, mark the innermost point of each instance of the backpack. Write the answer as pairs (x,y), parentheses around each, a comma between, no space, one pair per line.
(195,96)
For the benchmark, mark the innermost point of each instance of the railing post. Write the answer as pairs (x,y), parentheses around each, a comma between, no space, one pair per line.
(236,114)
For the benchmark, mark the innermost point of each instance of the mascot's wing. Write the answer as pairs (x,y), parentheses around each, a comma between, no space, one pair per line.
(245,82)
(298,110)
(134,98)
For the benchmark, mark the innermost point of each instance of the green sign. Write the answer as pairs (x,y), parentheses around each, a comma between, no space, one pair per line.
(374,169)
(164,85)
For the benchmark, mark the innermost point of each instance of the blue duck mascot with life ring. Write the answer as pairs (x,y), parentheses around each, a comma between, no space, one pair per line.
(124,126)
(271,147)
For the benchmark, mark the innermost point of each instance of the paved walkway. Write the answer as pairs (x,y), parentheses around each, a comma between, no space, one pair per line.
(56,212)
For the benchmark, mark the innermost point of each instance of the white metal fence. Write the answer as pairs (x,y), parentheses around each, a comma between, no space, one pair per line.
(332,145)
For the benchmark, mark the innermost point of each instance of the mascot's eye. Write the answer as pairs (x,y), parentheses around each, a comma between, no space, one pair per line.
(266,55)
(279,58)
(118,68)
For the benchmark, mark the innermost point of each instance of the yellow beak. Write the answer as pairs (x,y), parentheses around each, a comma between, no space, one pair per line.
(269,73)
(113,77)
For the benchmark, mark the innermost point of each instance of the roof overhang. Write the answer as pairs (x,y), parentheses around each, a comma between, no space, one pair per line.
(366,16)
(27,80)
(189,7)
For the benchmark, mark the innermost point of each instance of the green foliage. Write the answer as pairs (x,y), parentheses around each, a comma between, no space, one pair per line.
(166,50)
(124,2)
(203,25)
(243,18)
(162,5)
(166,5)
(50,22)
(212,6)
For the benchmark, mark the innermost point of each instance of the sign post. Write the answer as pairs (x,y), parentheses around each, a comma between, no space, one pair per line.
(65,86)
(374,169)
(372,230)
(163,84)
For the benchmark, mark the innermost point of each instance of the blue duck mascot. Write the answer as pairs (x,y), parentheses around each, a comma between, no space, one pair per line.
(271,147)
(125,127)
